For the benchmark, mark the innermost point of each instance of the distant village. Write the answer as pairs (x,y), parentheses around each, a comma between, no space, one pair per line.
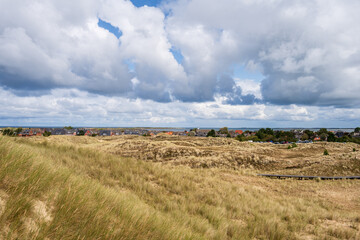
(261,135)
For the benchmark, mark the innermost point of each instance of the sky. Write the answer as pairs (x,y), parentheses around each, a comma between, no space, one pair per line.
(180,63)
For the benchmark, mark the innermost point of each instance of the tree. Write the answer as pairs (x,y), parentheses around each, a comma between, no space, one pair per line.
(311,134)
(68,128)
(357,130)
(285,136)
(322,130)
(265,134)
(331,137)
(269,131)
(323,136)
(260,134)
(81,133)
(18,130)
(211,133)
(305,137)
(278,134)
(224,130)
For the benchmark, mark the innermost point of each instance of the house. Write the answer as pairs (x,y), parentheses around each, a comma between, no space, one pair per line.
(202,132)
(298,133)
(249,134)
(235,133)
(238,132)
(128,132)
(339,134)
(88,133)
(105,133)
(37,132)
(69,132)
(317,139)
(58,131)
(117,132)
(26,133)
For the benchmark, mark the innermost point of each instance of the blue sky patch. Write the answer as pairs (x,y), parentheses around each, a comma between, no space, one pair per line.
(150,3)
(177,55)
(130,64)
(112,29)
(241,72)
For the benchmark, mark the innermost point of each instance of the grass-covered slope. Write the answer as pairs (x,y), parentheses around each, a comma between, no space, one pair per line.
(56,190)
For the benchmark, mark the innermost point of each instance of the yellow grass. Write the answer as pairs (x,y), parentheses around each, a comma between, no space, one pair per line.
(105,188)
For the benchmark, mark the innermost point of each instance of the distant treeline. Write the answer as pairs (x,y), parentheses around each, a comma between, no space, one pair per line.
(269,135)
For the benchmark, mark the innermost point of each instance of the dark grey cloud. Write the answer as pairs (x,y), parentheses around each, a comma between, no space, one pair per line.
(16,82)
(237,99)
(233,94)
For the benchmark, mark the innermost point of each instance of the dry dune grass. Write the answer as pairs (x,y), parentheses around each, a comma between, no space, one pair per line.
(230,153)
(189,188)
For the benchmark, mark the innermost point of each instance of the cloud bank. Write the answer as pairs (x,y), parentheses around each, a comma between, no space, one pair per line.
(184,55)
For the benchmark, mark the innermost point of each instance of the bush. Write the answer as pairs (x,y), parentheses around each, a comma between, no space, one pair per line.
(326,152)
(211,133)
(8,132)
(240,138)
(354,150)
(46,134)
(293,145)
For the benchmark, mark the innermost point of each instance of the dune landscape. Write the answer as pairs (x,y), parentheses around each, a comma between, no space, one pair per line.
(134,187)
